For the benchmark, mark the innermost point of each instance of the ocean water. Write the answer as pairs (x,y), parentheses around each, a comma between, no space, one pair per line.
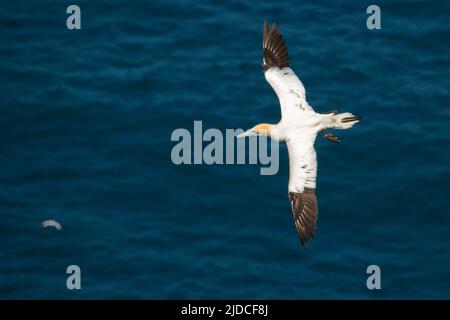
(85,125)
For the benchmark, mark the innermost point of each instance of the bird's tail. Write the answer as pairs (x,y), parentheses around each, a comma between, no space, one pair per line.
(344,120)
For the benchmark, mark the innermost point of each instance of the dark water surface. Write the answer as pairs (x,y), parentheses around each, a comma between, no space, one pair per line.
(86,119)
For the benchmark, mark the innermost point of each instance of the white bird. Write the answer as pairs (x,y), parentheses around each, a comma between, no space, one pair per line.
(298,127)
(51,223)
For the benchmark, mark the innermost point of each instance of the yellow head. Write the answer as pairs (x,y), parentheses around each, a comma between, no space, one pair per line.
(260,129)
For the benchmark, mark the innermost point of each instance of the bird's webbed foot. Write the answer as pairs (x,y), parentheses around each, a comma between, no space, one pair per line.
(330,137)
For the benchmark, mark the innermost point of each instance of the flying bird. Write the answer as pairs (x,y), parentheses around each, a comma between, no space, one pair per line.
(298,128)
(51,223)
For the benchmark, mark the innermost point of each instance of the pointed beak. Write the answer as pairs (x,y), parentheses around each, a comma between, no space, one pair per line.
(247,133)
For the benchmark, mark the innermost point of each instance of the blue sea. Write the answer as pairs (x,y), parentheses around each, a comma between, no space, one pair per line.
(85,127)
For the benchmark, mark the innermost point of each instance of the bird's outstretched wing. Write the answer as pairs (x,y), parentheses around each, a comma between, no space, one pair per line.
(302,185)
(287,85)
(304,211)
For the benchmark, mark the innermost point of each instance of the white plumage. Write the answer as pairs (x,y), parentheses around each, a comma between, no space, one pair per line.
(298,127)
(51,223)
(290,91)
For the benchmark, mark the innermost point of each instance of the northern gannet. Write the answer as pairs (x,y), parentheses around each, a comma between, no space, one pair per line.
(51,223)
(298,127)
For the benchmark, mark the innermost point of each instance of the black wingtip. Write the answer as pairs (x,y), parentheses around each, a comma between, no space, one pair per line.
(274,49)
(304,210)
